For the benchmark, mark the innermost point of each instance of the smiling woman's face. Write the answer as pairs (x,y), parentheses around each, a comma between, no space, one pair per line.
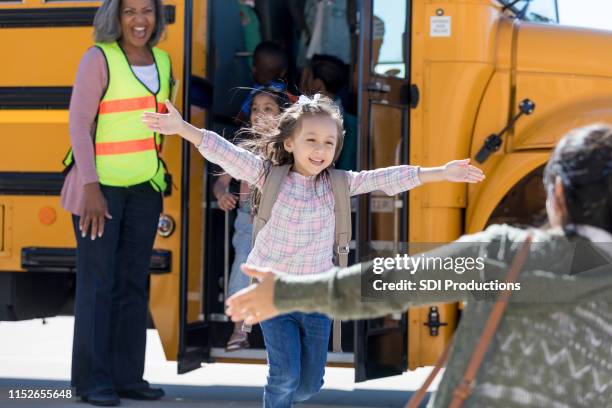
(137,21)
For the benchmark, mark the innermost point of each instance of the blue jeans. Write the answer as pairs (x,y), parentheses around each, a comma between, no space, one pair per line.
(112,293)
(241,240)
(296,344)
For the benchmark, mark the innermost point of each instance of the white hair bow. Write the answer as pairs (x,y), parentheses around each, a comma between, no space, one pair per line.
(304,100)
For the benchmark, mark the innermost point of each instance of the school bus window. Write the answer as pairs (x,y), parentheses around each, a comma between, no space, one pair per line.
(543,11)
(388,27)
(537,11)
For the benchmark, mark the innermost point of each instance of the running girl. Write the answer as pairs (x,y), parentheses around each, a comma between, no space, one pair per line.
(299,236)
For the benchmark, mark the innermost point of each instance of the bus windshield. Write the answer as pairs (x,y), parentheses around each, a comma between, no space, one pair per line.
(539,11)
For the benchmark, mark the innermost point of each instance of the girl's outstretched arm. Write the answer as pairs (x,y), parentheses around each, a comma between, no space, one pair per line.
(390,180)
(236,161)
(396,179)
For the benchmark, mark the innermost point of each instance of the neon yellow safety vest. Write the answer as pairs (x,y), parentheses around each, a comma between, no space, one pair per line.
(126,150)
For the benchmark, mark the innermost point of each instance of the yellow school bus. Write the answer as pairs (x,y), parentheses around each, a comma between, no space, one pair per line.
(435,80)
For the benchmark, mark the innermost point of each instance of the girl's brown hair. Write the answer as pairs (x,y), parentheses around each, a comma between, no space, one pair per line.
(583,162)
(268,142)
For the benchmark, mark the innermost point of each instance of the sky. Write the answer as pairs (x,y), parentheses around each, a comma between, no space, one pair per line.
(586,13)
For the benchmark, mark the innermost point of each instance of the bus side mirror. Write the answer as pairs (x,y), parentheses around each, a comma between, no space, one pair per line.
(494,141)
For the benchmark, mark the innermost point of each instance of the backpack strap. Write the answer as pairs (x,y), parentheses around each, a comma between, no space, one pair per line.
(269,194)
(468,381)
(342,236)
(342,213)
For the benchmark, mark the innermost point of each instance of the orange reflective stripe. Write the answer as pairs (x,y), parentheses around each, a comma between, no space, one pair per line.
(130,146)
(125,105)
(161,108)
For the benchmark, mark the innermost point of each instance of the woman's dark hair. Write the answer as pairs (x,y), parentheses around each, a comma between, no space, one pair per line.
(107,22)
(583,162)
(268,142)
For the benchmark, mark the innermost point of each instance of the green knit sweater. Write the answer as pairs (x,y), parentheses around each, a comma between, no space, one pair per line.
(553,347)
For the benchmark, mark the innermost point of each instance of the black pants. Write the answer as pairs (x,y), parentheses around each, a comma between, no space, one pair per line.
(112,293)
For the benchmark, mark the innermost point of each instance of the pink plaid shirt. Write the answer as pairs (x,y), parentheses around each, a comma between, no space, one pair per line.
(299,237)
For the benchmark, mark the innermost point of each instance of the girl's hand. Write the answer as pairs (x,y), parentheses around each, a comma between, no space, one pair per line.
(227,201)
(94,212)
(169,123)
(255,303)
(462,171)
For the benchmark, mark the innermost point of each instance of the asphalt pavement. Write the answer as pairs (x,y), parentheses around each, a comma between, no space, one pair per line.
(36,356)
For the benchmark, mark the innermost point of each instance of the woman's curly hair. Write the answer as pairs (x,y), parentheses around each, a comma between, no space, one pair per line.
(583,162)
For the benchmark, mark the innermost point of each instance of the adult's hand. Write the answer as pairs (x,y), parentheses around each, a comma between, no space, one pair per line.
(255,303)
(94,212)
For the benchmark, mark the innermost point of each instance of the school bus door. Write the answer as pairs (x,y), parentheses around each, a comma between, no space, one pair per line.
(193,330)
(388,104)
(384,123)
(43,42)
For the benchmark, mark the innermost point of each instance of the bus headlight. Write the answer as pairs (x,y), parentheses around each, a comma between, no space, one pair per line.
(166,225)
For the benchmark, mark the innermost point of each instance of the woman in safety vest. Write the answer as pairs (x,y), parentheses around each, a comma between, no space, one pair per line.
(114,190)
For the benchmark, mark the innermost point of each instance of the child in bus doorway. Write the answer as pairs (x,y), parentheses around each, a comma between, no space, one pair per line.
(266,104)
(299,236)
(327,75)
(269,70)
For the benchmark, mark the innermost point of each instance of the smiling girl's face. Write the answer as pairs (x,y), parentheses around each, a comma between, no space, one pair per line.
(313,144)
